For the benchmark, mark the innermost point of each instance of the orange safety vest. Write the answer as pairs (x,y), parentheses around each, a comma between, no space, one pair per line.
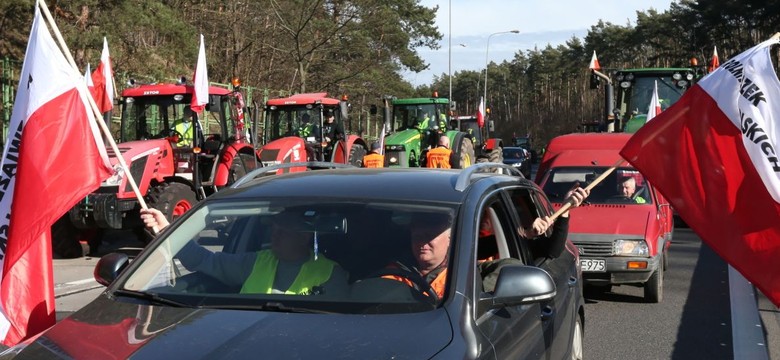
(438,284)
(439,158)
(374,160)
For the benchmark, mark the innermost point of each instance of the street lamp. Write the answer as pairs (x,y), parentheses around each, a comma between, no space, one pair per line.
(487,48)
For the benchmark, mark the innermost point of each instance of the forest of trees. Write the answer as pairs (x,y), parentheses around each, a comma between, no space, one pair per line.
(360,48)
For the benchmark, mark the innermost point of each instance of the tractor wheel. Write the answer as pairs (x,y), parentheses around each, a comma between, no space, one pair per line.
(356,154)
(172,199)
(496,156)
(466,153)
(65,239)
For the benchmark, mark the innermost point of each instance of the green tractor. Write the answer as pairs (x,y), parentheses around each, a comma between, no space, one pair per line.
(629,92)
(415,126)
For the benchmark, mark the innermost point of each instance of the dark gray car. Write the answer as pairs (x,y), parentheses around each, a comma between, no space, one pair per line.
(519,158)
(505,296)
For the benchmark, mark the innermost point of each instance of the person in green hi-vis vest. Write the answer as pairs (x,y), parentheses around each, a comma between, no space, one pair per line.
(288,267)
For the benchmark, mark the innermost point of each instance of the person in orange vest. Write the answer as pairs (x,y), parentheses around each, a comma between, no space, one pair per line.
(430,244)
(441,157)
(374,159)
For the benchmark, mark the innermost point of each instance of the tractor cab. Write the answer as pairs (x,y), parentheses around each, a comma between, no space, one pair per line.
(635,91)
(162,111)
(298,129)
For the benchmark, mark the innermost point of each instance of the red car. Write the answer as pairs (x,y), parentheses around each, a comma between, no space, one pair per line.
(624,229)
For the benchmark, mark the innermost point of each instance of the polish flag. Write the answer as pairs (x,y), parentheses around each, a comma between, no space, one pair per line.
(714,155)
(55,153)
(88,78)
(715,62)
(481,113)
(201,81)
(103,78)
(594,62)
(655,104)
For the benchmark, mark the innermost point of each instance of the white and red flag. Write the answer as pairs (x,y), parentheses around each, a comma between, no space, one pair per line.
(481,113)
(655,104)
(714,155)
(594,62)
(53,157)
(103,78)
(715,61)
(88,78)
(200,80)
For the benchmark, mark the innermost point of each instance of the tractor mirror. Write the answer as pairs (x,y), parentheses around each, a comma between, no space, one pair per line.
(330,224)
(373,110)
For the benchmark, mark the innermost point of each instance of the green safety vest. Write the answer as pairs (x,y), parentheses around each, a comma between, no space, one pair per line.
(185,129)
(423,125)
(261,280)
(305,130)
(640,200)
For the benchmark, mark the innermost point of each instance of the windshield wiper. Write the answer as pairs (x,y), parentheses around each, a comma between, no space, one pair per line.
(151,297)
(269,306)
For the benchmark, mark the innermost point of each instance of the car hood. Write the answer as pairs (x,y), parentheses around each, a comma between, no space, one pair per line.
(109,329)
(512,161)
(608,219)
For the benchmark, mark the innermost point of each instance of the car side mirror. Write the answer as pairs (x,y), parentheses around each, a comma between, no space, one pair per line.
(109,267)
(521,284)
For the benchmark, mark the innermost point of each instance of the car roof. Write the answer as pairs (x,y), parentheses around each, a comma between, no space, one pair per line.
(405,184)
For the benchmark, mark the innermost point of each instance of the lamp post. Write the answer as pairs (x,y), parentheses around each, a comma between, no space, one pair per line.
(487,48)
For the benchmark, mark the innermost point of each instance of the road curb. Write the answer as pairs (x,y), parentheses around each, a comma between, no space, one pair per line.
(770,319)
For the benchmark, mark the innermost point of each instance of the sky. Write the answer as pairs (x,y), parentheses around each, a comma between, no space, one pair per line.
(539,22)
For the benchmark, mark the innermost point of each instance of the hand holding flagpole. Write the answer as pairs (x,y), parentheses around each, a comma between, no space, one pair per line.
(98,115)
(590,186)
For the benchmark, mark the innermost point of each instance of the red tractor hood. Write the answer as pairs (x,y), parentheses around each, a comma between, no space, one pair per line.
(134,149)
(610,219)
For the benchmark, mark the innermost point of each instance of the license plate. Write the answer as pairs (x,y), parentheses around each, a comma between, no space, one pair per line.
(593,265)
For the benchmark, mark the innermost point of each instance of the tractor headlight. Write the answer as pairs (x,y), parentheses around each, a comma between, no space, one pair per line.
(116,178)
(625,84)
(682,83)
(392,160)
(395,147)
(630,248)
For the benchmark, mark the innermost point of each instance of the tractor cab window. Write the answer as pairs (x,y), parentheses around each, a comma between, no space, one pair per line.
(414,116)
(641,91)
(148,117)
(294,121)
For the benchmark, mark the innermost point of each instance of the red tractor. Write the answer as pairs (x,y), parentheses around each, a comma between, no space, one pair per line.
(175,156)
(309,127)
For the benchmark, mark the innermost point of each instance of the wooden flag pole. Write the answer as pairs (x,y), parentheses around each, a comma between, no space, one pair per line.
(95,110)
(590,186)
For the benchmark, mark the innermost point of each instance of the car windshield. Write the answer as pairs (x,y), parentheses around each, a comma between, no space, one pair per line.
(358,256)
(624,185)
(513,153)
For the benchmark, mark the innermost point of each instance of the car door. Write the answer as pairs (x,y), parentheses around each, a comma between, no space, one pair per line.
(557,315)
(514,331)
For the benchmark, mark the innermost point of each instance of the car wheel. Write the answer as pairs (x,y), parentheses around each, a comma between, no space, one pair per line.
(577,340)
(654,287)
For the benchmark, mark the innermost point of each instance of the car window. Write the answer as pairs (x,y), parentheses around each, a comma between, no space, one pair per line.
(496,246)
(353,253)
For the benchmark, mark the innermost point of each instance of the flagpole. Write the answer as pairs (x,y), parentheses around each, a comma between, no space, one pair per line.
(96,111)
(590,186)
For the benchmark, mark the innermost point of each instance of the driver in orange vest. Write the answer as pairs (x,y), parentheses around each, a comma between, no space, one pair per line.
(374,159)
(441,157)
